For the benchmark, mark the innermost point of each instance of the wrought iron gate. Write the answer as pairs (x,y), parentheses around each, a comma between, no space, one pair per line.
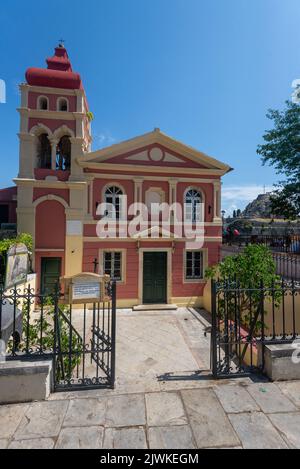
(244,320)
(80,341)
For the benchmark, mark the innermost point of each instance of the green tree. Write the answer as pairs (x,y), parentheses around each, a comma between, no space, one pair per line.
(282,150)
(249,270)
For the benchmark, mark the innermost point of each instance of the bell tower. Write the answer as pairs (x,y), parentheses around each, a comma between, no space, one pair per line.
(55,126)
(55,130)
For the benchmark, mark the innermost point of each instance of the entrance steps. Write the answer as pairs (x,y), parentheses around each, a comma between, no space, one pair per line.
(169,307)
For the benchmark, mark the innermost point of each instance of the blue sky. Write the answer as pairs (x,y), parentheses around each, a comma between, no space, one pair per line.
(204,71)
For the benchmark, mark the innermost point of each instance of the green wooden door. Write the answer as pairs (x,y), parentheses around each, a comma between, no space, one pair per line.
(155,278)
(51,271)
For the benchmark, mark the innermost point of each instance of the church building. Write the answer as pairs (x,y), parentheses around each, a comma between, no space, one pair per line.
(62,182)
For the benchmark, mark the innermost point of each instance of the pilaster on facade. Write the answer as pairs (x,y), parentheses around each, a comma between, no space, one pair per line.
(80,100)
(77,151)
(24,88)
(89,195)
(217,202)
(173,190)
(26,155)
(138,190)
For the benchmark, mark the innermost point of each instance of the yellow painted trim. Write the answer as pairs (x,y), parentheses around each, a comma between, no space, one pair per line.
(189,301)
(45,198)
(127,303)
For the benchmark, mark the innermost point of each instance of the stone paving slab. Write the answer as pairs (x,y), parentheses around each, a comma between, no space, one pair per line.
(3,444)
(208,420)
(165,408)
(125,438)
(289,426)
(39,443)
(235,399)
(270,398)
(80,438)
(173,437)
(292,390)
(10,418)
(256,431)
(85,412)
(125,411)
(42,420)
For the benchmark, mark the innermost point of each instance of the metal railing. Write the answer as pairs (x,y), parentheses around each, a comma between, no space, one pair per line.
(285,243)
(81,341)
(244,319)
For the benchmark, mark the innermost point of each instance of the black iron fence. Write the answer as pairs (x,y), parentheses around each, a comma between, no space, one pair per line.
(287,265)
(285,243)
(246,319)
(81,341)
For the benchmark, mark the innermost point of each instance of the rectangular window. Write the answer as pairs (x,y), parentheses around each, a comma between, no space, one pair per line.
(194,265)
(113,265)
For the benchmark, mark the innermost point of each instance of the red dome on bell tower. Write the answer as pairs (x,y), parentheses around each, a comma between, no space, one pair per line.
(58,74)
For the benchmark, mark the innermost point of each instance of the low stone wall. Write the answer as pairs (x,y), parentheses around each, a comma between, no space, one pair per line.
(281,362)
(25,381)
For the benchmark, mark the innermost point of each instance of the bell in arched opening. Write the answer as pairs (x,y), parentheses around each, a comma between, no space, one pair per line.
(63,154)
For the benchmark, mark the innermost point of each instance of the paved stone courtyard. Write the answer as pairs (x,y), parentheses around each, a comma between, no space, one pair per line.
(164,398)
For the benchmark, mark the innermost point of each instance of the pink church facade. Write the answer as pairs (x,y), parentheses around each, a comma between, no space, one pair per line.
(61,184)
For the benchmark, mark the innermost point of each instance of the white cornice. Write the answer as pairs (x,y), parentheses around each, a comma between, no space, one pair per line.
(149,169)
(80,185)
(58,115)
(132,177)
(95,239)
(48,90)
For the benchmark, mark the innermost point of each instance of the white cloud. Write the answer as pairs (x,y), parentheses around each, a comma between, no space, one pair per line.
(103,139)
(234,197)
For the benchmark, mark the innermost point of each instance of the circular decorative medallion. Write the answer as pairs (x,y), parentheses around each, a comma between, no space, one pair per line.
(156,154)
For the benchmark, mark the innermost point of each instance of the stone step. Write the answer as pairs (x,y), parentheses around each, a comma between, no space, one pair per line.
(169,307)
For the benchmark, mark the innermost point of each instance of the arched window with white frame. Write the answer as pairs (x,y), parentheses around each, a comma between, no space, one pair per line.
(43,103)
(62,105)
(193,206)
(113,198)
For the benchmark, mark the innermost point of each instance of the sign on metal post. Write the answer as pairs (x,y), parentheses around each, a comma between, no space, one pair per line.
(85,288)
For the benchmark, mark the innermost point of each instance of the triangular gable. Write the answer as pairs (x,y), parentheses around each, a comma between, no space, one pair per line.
(154,155)
(153,149)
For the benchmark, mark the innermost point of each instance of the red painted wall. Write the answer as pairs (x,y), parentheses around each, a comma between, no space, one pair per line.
(62,193)
(52,124)
(50,225)
(33,101)
(129,289)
